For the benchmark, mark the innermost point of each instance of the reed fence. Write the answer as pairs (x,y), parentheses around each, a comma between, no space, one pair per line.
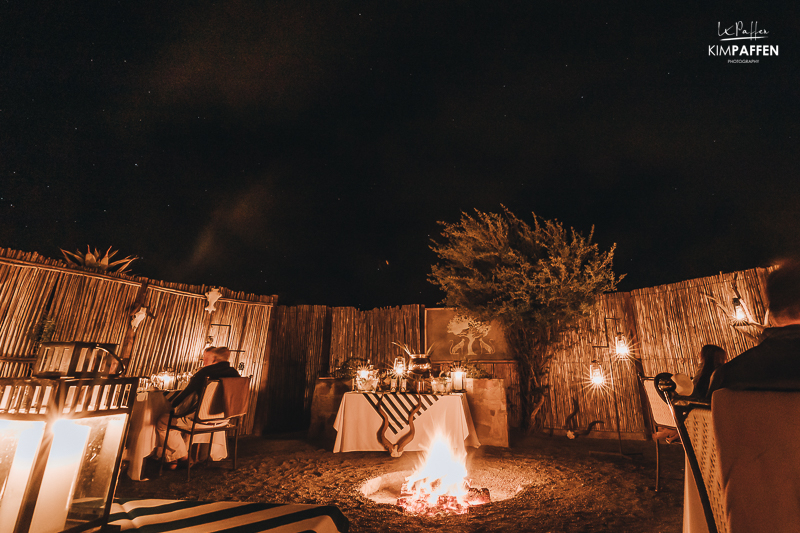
(94,306)
(298,355)
(285,349)
(370,335)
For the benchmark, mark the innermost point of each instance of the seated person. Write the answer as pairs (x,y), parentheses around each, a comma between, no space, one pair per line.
(711,358)
(215,365)
(775,363)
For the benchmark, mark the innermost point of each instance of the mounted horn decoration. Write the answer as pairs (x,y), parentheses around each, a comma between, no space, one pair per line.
(212,296)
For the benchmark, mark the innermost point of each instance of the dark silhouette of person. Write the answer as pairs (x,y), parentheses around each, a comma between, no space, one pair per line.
(775,363)
(711,358)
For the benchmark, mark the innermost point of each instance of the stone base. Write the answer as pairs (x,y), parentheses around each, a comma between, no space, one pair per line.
(487,405)
(327,396)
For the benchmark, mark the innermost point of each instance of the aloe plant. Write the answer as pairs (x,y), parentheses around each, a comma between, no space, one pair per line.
(410,352)
(94,260)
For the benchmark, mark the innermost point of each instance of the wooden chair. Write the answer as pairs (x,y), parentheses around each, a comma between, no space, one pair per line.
(222,406)
(660,418)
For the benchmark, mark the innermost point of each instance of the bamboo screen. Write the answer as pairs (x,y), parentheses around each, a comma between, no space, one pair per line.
(667,326)
(369,335)
(96,307)
(298,355)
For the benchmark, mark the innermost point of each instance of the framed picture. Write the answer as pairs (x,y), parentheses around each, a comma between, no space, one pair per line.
(459,337)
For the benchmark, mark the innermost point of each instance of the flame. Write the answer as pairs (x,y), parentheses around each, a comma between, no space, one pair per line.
(439,484)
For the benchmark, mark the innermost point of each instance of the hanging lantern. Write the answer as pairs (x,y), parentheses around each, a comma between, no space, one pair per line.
(61,443)
(596,376)
(738,311)
(621,347)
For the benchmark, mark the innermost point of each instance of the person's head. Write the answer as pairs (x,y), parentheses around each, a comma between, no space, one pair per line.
(215,355)
(712,356)
(783,293)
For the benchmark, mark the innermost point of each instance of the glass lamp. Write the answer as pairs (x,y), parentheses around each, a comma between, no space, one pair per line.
(596,375)
(738,311)
(61,443)
(621,347)
(458,374)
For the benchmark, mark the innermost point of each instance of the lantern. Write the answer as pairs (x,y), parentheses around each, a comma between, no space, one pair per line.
(596,376)
(458,374)
(738,311)
(399,367)
(61,443)
(621,347)
(164,380)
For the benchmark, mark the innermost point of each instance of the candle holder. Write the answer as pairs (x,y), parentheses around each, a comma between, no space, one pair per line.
(398,374)
(458,375)
(62,443)
(366,379)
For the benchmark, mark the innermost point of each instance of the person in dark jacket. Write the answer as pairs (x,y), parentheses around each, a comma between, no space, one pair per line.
(775,363)
(215,365)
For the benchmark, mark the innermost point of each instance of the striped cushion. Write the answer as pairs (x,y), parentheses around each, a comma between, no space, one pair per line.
(156,516)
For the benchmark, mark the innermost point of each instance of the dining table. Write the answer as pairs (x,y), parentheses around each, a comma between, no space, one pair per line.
(149,406)
(361,416)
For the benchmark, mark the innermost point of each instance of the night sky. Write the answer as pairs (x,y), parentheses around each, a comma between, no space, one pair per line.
(308,149)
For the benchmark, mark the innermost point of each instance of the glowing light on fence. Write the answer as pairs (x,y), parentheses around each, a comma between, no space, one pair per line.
(596,376)
(621,347)
(738,311)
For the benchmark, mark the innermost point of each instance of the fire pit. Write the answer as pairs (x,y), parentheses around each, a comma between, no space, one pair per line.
(441,484)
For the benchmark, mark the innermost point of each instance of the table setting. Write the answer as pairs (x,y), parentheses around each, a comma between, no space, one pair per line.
(404,408)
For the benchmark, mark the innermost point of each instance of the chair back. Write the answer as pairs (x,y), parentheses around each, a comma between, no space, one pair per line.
(693,421)
(223,399)
(659,410)
(702,444)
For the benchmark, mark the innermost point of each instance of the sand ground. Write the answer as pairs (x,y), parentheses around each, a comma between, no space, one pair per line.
(553,485)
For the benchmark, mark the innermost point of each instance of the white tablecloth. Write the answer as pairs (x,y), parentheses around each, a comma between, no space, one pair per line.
(358,422)
(141,442)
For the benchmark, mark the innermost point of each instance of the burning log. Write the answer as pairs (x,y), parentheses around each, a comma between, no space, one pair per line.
(478,496)
(440,485)
(417,501)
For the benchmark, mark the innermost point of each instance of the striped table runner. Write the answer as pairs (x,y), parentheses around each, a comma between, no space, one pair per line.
(398,405)
(157,516)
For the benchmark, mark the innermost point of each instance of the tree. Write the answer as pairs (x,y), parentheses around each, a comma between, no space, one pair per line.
(536,281)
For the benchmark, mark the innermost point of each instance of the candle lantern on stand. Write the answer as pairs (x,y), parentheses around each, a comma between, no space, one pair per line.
(61,440)
(398,378)
(458,374)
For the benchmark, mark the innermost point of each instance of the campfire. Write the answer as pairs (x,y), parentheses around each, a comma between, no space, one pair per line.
(440,485)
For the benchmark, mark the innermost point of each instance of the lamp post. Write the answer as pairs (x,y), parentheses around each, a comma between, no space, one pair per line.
(622,351)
